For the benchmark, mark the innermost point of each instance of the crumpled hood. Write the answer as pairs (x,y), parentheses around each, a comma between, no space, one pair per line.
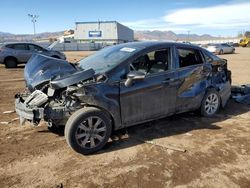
(41,69)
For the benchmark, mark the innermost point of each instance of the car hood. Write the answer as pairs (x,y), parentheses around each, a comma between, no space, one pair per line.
(42,69)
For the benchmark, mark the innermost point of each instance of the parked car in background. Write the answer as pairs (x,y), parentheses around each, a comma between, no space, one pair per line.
(220,48)
(120,86)
(12,54)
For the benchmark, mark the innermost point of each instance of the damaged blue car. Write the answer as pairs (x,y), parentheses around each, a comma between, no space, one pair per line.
(121,86)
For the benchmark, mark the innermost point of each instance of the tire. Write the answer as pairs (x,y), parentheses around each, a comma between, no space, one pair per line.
(93,128)
(248,44)
(10,62)
(210,103)
(221,52)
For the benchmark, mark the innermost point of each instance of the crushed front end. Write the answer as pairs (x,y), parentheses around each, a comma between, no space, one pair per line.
(38,105)
(48,97)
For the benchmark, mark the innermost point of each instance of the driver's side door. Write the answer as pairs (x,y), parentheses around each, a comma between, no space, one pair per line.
(155,95)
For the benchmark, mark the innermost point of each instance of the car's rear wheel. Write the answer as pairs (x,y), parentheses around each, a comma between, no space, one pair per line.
(210,103)
(88,130)
(10,62)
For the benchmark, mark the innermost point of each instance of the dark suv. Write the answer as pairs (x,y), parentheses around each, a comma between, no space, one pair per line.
(12,54)
(121,86)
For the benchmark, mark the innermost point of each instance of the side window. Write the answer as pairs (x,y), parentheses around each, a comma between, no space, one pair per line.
(35,48)
(189,57)
(19,47)
(152,62)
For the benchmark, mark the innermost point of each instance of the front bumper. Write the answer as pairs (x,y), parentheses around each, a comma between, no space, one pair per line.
(34,115)
(25,113)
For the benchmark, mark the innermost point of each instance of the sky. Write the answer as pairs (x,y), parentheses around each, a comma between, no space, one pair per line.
(215,17)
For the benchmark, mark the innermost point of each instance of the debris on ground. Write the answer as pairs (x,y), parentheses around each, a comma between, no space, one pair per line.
(4,122)
(13,80)
(15,119)
(241,94)
(9,112)
(8,122)
(159,145)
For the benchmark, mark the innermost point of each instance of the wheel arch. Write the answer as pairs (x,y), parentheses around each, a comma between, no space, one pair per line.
(10,57)
(107,112)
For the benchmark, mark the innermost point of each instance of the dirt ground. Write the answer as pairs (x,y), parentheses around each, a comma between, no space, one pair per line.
(217,149)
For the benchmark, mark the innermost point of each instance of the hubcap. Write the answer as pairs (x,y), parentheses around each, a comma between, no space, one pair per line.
(90,132)
(211,104)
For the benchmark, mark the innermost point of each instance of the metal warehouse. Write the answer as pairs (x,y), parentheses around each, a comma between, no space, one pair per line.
(110,32)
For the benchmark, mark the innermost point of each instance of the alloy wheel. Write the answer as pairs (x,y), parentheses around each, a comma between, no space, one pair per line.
(211,103)
(91,132)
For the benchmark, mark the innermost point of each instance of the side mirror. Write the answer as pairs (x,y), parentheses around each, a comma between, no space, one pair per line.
(133,75)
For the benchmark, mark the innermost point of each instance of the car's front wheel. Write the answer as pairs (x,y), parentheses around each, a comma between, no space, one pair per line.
(210,103)
(221,52)
(88,130)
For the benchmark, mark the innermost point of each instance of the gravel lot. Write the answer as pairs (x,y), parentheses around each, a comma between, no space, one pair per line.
(217,149)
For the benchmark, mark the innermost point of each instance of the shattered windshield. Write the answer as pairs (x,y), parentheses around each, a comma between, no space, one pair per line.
(107,58)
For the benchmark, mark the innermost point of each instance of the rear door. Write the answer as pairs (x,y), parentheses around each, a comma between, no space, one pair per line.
(154,96)
(21,52)
(193,74)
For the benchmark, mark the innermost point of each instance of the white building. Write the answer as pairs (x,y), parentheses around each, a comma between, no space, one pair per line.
(109,32)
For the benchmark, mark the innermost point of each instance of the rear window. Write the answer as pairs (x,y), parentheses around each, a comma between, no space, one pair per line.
(189,57)
(9,46)
(19,46)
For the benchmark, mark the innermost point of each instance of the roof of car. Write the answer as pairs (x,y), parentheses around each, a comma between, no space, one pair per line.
(6,43)
(146,44)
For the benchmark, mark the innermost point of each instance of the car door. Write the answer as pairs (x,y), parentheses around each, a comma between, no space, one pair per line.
(227,48)
(193,74)
(155,95)
(21,52)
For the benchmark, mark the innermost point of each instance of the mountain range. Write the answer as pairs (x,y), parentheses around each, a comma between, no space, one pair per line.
(139,35)
(170,35)
(4,37)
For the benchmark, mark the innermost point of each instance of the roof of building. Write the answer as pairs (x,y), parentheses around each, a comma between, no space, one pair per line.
(96,22)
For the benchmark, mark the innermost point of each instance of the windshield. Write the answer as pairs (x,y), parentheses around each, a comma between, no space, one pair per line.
(107,58)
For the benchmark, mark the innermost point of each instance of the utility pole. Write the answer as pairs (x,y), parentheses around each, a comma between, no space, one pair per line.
(33,20)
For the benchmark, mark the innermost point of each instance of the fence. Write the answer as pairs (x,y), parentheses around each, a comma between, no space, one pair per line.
(73,46)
